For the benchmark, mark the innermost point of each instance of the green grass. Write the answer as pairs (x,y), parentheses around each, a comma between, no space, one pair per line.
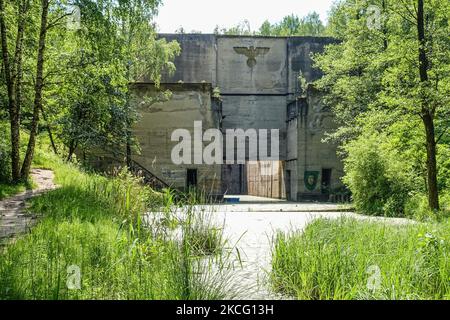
(417,207)
(8,190)
(204,236)
(95,223)
(340,259)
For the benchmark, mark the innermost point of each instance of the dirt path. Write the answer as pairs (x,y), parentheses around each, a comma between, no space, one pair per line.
(13,218)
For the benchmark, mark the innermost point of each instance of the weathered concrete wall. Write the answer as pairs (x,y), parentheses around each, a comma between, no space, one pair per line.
(267,73)
(314,154)
(300,51)
(157,121)
(258,79)
(292,139)
(197,61)
(256,112)
(291,181)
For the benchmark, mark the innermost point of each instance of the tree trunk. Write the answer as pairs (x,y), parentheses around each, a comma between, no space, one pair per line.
(18,56)
(37,92)
(433,192)
(12,105)
(49,131)
(128,150)
(384,28)
(72,148)
(427,113)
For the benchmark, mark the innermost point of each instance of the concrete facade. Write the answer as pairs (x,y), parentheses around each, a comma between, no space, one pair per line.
(259,89)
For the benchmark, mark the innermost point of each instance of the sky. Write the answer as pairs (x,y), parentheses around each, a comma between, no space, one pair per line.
(204,15)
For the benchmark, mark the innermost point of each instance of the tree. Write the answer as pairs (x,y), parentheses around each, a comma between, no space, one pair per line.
(241,29)
(428,108)
(116,47)
(13,78)
(397,66)
(38,86)
(292,25)
(77,80)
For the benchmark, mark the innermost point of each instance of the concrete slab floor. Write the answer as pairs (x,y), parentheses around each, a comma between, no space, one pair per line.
(252,229)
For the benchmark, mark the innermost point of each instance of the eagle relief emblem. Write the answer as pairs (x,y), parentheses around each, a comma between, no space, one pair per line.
(251,53)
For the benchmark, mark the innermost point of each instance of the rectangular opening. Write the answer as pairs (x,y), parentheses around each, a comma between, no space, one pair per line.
(191,178)
(326,181)
(288,185)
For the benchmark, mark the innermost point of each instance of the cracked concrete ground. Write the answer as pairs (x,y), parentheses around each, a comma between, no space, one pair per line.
(13,217)
(253,224)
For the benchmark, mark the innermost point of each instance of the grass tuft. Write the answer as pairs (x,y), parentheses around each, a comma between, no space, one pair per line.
(354,259)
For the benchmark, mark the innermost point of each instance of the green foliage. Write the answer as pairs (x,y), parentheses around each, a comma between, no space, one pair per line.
(7,190)
(417,207)
(203,236)
(379,183)
(371,82)
(241,29)
(87,71)
(340,259)
(444,165)
(292,25)
(115,46)
(5,153)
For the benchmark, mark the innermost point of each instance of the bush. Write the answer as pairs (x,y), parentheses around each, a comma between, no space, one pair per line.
(379,182)
(354,259)
(418,209)
(5,153)
(443,161)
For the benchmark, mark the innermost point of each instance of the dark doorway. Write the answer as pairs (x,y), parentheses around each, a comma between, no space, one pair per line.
(191,180)
(326,181)
(234,179)
(288,185)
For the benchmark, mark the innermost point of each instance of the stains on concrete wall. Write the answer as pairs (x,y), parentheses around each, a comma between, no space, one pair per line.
(197,61)
(189,103)
(314,155)
(267,76)
(256,112)
(258,81)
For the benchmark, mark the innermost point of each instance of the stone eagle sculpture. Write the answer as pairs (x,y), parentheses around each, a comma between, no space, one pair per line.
(251,53)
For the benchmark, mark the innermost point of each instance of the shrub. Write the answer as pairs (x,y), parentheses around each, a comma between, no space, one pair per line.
(379,183)
(418,209)
(443,160)
(5,153)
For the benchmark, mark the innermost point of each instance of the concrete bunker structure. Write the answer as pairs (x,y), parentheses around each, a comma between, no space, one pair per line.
(258,81)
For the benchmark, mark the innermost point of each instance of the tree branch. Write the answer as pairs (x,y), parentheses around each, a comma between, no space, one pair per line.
(57,20)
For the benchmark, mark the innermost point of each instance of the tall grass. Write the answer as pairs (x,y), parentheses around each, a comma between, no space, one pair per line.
(341,259)
(96,223)
(8,190)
